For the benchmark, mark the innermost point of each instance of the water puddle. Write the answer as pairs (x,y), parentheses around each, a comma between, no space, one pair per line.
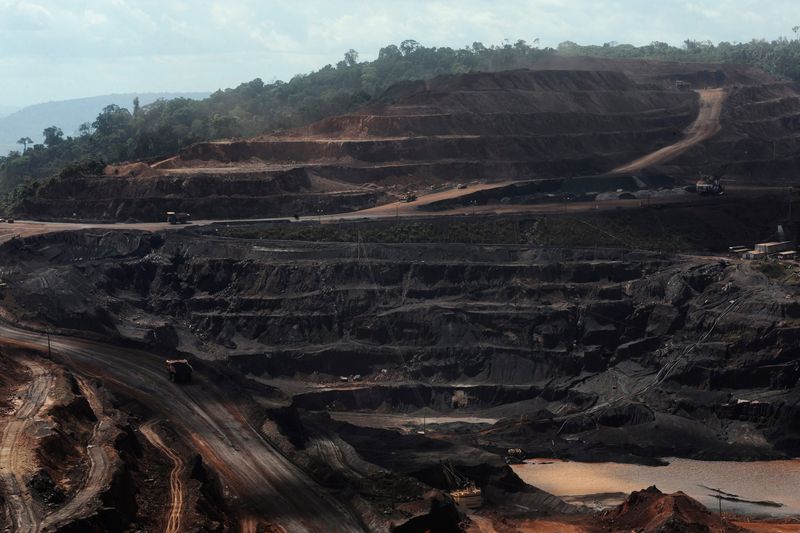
(752,488)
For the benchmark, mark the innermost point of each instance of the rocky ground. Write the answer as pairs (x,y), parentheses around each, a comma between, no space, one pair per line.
(382,368)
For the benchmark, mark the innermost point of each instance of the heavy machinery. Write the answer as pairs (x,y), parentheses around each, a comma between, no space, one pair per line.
(467,494)
(709,186)
(178,218)
(409,197)
(179,370)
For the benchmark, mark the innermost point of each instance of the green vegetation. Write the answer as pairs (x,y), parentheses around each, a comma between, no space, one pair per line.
(254,108)
(164,127)
(780,57)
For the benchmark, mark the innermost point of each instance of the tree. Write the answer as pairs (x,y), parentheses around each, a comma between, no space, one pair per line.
(409,46)
(351,57)
(52,136)
(85,129)
(25,141)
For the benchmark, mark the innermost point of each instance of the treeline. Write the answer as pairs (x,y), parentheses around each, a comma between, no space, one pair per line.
(253,108)
(780,57)
(164,127)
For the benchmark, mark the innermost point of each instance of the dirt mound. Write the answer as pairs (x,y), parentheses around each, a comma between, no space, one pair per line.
(651,511)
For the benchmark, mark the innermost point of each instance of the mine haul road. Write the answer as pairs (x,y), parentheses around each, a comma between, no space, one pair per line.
(15,445)
(268,487)
(102,460)
(705,126)
(176,493)
(26,515)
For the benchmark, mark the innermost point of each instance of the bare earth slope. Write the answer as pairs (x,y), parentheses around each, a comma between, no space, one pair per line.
(487,126)
(704,127)
(572,117)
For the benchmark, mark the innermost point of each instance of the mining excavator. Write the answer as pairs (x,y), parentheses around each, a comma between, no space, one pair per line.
(179,370)
(467,494)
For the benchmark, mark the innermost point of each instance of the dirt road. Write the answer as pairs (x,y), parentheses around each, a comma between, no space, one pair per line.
(15,449)
(176,492)
(704,127)
(264,483)
(101,466)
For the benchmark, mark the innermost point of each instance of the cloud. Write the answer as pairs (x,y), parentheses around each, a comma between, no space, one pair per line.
(70,48)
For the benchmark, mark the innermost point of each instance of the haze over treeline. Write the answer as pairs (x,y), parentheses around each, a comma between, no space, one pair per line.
(146,131)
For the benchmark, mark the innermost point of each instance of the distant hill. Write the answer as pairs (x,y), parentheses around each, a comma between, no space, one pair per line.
(6,110)
(67,115)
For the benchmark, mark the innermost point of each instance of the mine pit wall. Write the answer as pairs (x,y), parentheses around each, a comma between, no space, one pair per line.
(489,315)
(511,125)
(758,141)
(412,397)
(115,198)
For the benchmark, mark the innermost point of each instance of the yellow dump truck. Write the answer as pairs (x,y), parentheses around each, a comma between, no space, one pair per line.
(179,370)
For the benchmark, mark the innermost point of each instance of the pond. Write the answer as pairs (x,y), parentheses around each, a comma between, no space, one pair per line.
(752,488)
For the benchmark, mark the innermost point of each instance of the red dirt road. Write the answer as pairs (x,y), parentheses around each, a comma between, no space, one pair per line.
(261,480)
(15,446)
(704,127)
(176,492)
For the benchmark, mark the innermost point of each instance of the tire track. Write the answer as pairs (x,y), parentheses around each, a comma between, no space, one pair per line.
(705,126)
(176,491)
(265,483)
(101,465)
(13,446)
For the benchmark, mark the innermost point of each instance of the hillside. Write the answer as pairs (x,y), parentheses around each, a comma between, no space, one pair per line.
(67,115)
(488,126)
(6,110)
(596,116)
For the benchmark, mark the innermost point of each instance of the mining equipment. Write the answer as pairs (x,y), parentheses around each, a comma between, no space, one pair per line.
(515,456)
(709,186)
(468,495)
(179,370)
(9,220)
(178,218)
(408,197)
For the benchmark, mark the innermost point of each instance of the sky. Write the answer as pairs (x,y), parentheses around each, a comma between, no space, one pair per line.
(61,49)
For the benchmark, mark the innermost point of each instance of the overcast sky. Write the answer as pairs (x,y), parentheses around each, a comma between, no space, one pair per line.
(59,49)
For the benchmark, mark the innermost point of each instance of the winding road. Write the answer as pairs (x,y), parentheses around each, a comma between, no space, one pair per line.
(101,466)
(176,492)
(15,446)
(262,480)
(705,126)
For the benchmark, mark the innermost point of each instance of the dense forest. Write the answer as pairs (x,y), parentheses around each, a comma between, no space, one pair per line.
(253,108)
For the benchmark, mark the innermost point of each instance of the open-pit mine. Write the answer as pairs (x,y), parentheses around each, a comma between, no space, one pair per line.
(488,302)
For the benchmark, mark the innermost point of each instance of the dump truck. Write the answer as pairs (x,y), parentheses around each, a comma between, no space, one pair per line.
(178,218)
(179,370)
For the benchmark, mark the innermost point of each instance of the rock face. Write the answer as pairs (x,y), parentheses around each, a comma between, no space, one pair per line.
(639,353)
(570,117)
(508,125)
(651,511)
